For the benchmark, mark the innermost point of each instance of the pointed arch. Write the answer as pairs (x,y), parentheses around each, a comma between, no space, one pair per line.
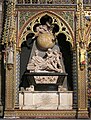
(87,35)
(32,20)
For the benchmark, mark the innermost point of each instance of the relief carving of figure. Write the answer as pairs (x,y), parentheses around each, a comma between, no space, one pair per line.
(82,53)
(51,63)
(58,58)
(10,53)
(37,62)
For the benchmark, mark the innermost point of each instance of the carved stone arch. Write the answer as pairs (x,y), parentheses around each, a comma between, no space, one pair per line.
(64,27)
(88,36)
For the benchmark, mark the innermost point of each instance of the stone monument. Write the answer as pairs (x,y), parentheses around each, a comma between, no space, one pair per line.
(47,70)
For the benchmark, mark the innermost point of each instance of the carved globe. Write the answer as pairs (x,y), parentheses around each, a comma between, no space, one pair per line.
(45,41)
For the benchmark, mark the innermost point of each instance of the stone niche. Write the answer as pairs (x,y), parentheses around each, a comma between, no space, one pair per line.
(46,73)
(50,100)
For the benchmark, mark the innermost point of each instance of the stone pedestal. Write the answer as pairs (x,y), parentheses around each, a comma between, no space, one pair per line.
(41,100)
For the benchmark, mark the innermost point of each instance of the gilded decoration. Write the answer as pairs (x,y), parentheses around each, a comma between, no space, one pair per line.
(9,26)
(46,1)
(10,84)
(69,17)
(88,27)
(56,19)
(8,41)
(88,36)
(89,74)
(41,114)
(23,17)
(82,58)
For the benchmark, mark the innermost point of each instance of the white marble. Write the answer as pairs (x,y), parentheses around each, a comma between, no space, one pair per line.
(46,100)
(28,99)
(65,101)
(21,100)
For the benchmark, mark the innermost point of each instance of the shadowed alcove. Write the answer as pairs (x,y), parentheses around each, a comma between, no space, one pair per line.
(61,42)
(65,48)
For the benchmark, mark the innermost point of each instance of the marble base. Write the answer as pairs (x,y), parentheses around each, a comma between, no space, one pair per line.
(50,100)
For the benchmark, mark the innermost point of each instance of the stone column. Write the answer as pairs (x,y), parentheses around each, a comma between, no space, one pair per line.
(81,67)
(74,71)
(82,88)
(9,97)
(1,107)
(10,40)
(17,78)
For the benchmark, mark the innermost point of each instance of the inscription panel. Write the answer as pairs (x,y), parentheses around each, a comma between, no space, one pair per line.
(45,100)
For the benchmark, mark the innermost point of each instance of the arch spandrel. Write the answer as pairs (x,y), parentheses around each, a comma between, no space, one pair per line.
(88,35)
(87,28)
(36,19)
